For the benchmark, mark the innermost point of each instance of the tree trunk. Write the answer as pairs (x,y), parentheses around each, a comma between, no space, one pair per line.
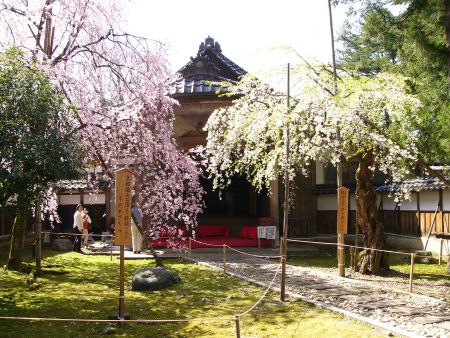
(368,217)
(17,239)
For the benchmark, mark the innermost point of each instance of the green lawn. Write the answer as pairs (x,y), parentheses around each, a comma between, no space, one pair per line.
(78,286)
(400,263)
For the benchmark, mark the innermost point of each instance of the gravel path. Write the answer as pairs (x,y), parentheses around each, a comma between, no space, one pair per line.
(409,314)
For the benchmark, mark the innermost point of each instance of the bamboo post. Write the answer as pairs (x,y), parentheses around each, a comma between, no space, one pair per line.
(224,259)
(190,248)
(441,246)
(411,273)
(238,328)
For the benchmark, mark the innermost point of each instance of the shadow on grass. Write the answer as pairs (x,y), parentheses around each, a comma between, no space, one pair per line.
(78,286)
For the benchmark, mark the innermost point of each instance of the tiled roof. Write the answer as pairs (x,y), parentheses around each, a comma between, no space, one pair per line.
(418,184)
(210,65)
(199,83)
(79,184)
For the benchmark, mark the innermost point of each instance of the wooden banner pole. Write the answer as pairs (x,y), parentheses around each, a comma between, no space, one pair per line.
(122,235)
(122,283)
(341,260)
(441,247)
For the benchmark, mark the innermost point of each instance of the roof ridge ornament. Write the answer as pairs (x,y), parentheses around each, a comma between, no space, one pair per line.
(209,44)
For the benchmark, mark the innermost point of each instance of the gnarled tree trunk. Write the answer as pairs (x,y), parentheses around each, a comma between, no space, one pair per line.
(368,217)
(17,239)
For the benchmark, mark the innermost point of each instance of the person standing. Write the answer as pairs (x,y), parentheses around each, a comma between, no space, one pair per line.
(77,227)
(86,223)
(135,233)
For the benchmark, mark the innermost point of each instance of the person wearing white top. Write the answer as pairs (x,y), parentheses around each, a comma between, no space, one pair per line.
(77,227)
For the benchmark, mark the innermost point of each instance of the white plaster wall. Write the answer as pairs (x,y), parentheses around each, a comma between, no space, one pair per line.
(429,200)
(388,202)
(69,199)
(446,200)
(319,173)
(94,199)
(410,204)
(327,202)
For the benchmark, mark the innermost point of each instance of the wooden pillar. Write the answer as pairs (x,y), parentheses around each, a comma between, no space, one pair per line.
(441,210)
(419,222)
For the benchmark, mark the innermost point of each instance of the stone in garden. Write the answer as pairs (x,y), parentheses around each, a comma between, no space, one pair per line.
(62,244)
(109,329)
(423,257)
(151,279)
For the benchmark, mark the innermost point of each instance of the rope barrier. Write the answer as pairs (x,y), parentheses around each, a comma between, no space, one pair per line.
(73,234)
(249,254)
(213,245)
(78,320)
(264,294)
(348,246)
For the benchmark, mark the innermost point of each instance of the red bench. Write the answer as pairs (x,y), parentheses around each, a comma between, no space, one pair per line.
(208,236)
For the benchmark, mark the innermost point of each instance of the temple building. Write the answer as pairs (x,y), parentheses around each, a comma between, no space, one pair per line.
(198,93)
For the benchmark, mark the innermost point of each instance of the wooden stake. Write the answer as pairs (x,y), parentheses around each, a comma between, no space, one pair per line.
(122,283)
(411,273)
(238,328)
(441,246)
(190,248)
(112,243)
(224,259)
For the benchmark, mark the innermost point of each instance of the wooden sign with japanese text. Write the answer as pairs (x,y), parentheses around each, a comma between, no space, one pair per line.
(124,181)
(342,212)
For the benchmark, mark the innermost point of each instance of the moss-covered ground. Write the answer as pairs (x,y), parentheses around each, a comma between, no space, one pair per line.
(74,285)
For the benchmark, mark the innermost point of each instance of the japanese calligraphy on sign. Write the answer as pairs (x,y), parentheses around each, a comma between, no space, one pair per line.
(124,180)
(342,212)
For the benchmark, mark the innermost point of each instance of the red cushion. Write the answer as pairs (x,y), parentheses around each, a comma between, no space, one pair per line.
(212,230)
(250,232)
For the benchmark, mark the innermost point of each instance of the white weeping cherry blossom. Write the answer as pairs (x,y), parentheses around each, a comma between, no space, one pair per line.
(248,137)
(374,116)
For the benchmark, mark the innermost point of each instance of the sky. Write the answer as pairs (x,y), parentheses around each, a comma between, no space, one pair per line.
(250,32)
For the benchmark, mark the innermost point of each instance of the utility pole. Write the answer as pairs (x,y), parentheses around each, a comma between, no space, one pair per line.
(286,194)
(48,45)
(341,250)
